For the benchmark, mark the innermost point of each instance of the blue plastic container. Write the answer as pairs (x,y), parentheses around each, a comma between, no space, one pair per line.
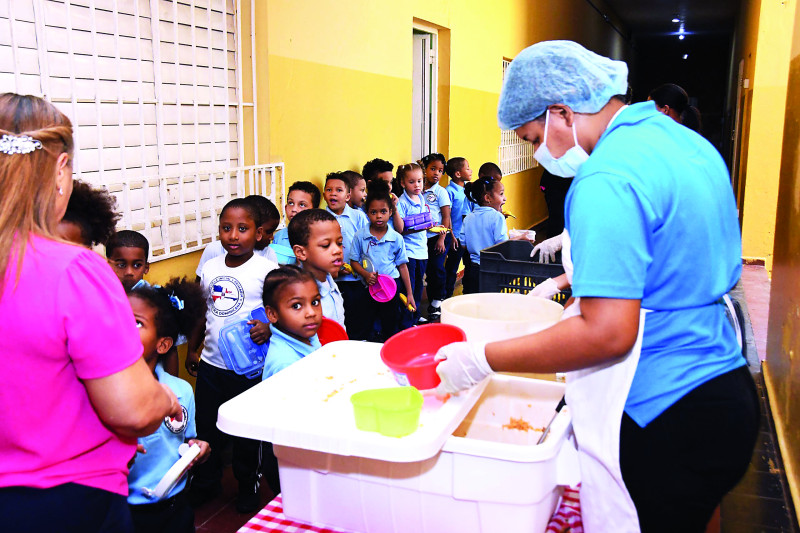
(285,254)
(240,353)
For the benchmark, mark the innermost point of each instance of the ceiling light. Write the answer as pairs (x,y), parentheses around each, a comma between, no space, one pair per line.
(681,37)
(676,20)
(686,56)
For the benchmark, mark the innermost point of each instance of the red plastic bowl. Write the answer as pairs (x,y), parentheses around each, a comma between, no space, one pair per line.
(409,354)
(331,331)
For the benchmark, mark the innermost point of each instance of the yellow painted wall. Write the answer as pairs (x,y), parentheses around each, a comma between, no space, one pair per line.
(333,83)
(339,84)
(782,368)
(761,151)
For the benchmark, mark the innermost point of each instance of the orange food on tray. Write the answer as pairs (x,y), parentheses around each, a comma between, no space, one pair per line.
(520,424)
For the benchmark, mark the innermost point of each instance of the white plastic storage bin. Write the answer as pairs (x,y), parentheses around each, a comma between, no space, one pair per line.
(494,316)
(486,479)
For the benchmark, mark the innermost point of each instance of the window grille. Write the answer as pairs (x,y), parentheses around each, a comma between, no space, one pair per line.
(515,155)
(153,89)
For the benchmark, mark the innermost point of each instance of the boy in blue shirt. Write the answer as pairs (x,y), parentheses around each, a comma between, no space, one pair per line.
(458,170)
(316,239)
(302,195)
(337,194)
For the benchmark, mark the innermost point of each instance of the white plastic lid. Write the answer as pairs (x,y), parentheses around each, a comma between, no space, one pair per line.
(307,406)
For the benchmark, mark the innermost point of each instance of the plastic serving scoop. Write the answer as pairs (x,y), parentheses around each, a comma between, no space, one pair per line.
(384,289)
(175,473)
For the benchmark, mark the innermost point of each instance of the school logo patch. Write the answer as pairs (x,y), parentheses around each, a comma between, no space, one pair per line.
(227,295)
(430,197)
(177,427)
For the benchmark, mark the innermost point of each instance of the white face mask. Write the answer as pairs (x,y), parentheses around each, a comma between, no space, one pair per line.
(568,164)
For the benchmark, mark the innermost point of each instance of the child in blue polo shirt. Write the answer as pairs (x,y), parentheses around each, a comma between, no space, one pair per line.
(385,249)
(356,298)
(460,173)
(438,243)
(292,302)
(316,239)
(302,195)
(163,313)
(411,203)
(484,227)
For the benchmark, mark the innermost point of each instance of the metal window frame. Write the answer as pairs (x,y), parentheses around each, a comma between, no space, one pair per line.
(514,155)
(225,179)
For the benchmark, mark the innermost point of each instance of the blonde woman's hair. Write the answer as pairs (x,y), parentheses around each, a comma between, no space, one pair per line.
(28,181)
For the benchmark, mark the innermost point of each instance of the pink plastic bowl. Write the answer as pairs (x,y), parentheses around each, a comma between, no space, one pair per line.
(410,353)
(384,289)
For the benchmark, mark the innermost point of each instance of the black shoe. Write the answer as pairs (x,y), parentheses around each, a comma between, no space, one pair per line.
(199,496)
(434,313)
(248,501)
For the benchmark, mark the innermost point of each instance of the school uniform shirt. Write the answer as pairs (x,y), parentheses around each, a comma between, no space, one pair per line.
(351,220)
(332,303)
(483,228)
(281,237)
(642,222)
(416,243)
(162,446)
(460,207)
(285,350)
(231,293)
(385,254)
(436,198)
(215,249)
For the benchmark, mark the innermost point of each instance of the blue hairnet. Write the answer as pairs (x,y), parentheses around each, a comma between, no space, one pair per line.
(558,72)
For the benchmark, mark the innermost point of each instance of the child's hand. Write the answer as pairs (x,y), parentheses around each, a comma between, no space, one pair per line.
(454,244)
(205,451)
(192,362)
(411,303)
(139,449)
(372,278)
(440,247)
(260,332)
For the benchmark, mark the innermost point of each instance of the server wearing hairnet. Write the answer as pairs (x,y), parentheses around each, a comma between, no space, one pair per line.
(664,409)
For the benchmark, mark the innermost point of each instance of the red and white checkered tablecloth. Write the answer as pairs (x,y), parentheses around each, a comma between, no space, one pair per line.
(271,518)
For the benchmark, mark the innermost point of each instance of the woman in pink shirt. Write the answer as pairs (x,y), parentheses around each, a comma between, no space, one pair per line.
(74,391)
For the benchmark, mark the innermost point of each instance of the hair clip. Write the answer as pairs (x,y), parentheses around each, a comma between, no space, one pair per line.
(177,303)
(22,144)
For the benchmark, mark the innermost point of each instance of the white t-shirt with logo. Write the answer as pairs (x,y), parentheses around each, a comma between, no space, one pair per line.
(231,293)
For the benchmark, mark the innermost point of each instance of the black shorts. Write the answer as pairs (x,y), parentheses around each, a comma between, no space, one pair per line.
(68,508)
(678,467)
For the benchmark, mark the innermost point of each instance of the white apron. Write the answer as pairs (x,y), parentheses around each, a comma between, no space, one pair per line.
(596,397)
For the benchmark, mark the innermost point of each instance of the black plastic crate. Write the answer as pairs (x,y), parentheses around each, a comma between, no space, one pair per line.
(509,267)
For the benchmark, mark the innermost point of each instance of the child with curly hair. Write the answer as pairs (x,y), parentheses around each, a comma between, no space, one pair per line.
(91,216)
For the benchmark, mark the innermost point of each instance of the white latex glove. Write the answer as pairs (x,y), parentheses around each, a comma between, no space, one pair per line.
(463,364)
(546,289)
(547,249)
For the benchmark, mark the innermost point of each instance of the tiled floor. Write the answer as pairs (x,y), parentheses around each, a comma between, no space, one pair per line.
(759,504)
(761,501)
